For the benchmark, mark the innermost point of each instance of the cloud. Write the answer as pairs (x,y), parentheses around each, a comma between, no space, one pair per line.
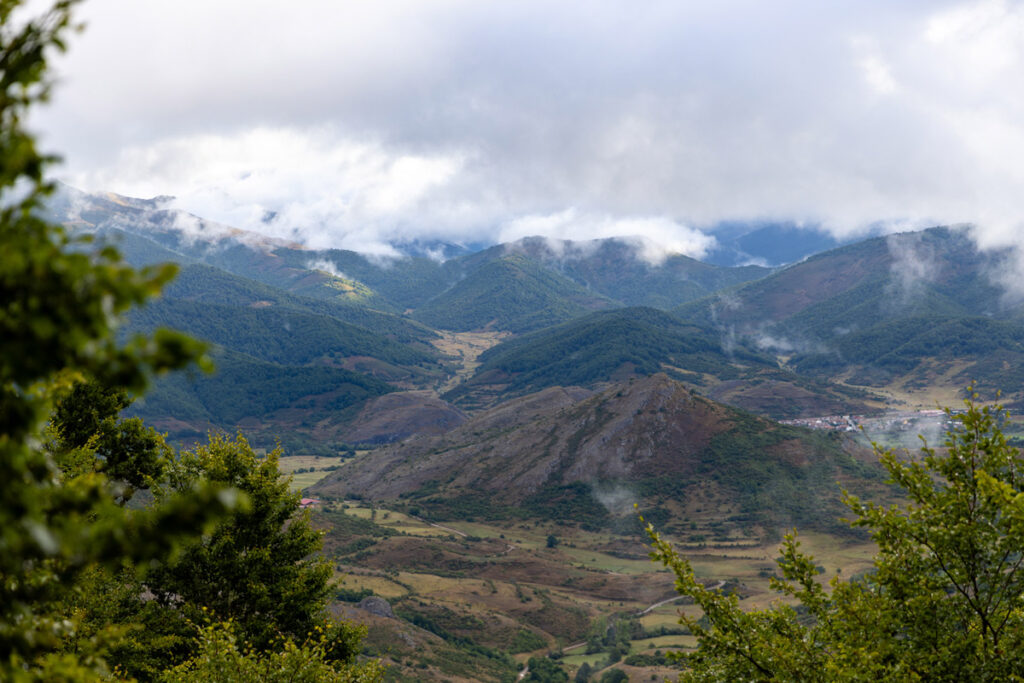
(305,185)
(359,121)
(653,238)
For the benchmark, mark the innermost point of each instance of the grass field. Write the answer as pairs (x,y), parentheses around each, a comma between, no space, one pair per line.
(300,480)
(664,643)
(487,581)
(576,661)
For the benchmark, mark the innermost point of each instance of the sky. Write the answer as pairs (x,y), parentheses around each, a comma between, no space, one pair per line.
(354,124)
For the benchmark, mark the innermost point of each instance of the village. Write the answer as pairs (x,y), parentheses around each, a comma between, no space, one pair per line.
(910,422)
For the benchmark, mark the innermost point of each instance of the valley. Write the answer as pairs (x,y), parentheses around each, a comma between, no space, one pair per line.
(472,434)
(465,349)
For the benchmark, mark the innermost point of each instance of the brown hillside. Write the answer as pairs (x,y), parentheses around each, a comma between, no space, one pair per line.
(399,415)
(649,440)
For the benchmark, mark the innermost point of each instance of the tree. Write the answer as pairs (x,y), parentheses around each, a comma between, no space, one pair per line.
(256,571)
(258,568)
(60,305)
(943,601)
(89,436)
(543,670)
(221,657)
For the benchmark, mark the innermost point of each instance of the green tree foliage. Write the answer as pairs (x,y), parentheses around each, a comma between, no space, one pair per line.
(59,308)
(222,657)
(259,567)
(544,670)
(89,436)
(944,599)
(511,293)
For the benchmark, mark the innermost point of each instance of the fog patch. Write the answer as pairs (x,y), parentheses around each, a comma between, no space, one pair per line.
(436,255)
(766,340)
(1006,271)
(193,229)
(914,266)
(617,499)
(326,266)
(728,340)
(906,429)
(726,301)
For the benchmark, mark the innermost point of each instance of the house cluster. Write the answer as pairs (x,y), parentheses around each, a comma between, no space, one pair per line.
(903,421)
(835,423)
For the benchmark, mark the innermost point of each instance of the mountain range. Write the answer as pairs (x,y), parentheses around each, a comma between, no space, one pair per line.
(306,339)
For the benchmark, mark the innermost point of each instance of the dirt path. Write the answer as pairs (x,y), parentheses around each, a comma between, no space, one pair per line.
(657,605)
(665,602)
(439,526)
(510,548)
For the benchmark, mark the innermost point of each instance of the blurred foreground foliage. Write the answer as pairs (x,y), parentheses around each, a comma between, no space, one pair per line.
(78,564)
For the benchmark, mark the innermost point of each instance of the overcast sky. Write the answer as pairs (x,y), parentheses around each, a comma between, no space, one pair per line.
(360,122)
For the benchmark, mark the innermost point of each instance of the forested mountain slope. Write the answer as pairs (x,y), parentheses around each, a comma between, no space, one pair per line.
(512,293)
(634,342)
(914,308)
(631,271)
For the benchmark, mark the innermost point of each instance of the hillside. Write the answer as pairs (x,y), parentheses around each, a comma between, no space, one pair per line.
(286,336)
(909,310)
(151,232)
(937,271)
(305,407)
(207,284)
(627,270)
(565,454)
(634,342)
(512,293)
(400,415)
(288,366)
